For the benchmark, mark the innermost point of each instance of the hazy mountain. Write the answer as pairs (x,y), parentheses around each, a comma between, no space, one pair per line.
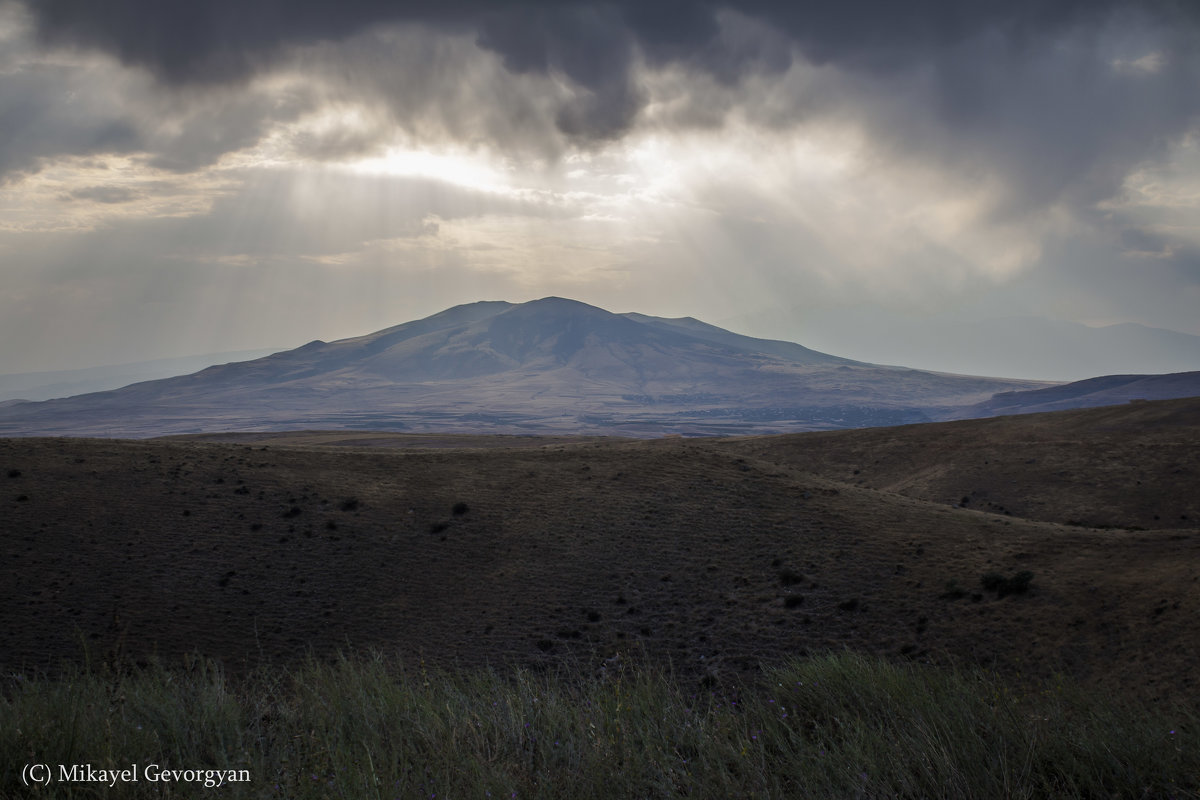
(1017,346)
(66,383)
(1106,390)
(547,365)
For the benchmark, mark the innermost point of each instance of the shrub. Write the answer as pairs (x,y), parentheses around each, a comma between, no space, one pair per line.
(789,578)
(953,591)
(1002,586)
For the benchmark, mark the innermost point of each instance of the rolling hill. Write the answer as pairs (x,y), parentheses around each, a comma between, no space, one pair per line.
(711,555)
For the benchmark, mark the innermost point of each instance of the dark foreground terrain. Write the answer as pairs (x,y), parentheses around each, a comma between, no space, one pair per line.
(710,555)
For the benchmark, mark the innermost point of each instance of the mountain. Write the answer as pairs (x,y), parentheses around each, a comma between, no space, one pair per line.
(549,365)
(1106,390)
(1025,346)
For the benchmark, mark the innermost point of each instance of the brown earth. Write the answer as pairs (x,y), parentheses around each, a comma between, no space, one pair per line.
(711,555)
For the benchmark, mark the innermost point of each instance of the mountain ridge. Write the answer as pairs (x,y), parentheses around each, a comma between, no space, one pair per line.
(552,365)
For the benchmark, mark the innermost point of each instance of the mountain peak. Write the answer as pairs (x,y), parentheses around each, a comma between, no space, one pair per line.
(554,304)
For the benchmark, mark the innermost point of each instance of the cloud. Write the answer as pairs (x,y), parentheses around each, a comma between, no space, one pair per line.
(221,40)
(109,195)
(908,153)
(68,104)
(1055,100)
(48,109)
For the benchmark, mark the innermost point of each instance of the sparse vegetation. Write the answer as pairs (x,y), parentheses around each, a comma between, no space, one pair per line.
(828,726)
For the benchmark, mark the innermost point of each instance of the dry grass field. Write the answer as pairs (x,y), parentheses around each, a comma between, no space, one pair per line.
(710,555)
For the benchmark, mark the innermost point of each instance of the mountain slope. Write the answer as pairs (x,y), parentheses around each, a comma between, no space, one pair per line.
(1106,390)
(547,365)
(711,333)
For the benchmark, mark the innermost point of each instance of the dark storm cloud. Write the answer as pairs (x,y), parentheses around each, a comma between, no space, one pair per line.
(220,39)
(42,117)
(1021,93)
(591,43)
(1052,124)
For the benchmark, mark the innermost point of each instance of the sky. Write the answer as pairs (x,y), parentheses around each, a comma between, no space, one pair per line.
(192,177)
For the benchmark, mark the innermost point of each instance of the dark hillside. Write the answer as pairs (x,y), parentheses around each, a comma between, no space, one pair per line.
(710,556)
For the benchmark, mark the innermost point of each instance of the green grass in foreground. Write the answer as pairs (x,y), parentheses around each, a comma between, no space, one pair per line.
(834,726)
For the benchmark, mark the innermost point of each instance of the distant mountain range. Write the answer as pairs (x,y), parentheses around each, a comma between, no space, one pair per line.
(551,366)
(1017,346)
(70,382)
(1107,390)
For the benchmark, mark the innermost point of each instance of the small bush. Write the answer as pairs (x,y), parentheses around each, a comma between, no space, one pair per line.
(459,508)
(349,504)
(953,591)
(1002,586)
(789,578)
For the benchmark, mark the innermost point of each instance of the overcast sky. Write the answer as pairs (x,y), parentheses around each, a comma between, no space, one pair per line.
(191,177)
